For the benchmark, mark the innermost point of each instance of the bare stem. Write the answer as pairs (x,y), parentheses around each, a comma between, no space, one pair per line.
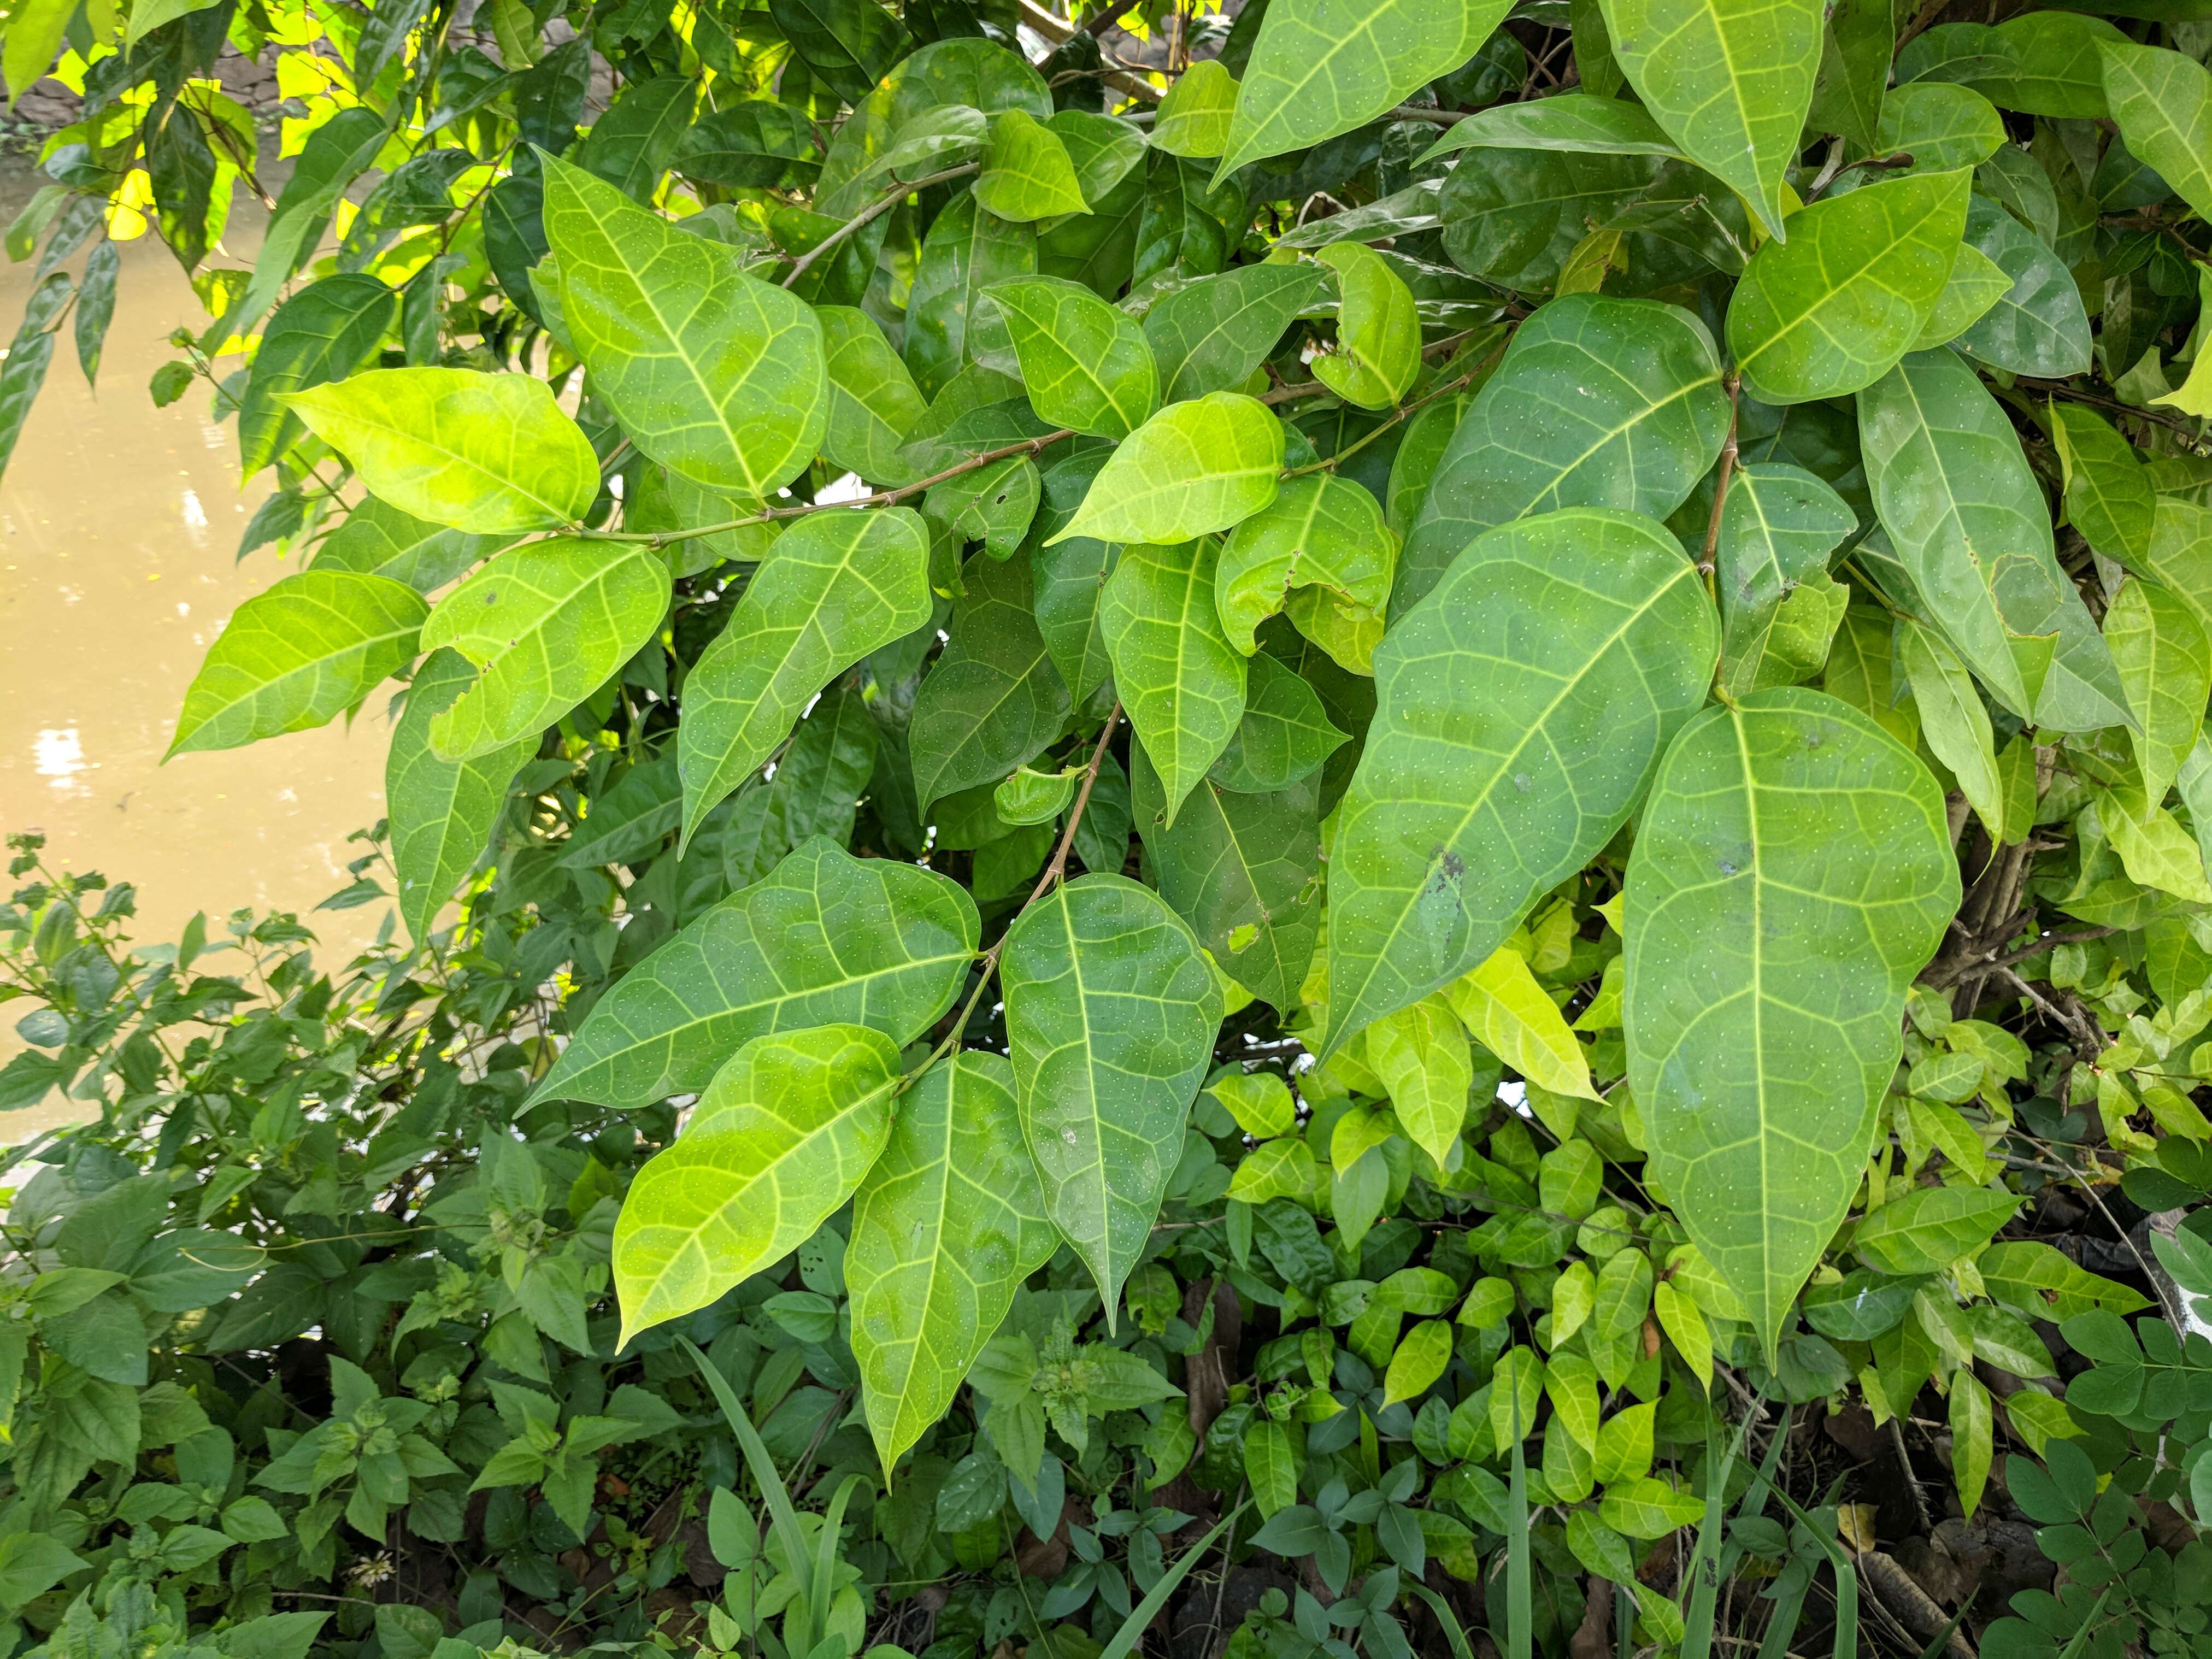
(882,204)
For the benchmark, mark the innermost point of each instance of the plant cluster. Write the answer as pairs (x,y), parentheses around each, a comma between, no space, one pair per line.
(1308,847)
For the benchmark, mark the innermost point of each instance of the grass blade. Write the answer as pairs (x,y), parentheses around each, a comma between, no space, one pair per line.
(766,1476)
(1520,1598)
(1141,1616)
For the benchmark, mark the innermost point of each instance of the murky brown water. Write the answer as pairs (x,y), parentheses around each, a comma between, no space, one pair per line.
(120,523)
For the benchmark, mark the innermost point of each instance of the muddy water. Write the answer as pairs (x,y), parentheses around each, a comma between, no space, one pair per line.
(120,525)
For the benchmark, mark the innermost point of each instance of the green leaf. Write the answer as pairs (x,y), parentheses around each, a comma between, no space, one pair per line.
(1183,684)
(323,333)
(1571,121)
(1778,609)
(1940,126)
(2037,326)
(1507,1011)
(826,937)
(1516,217)
(1270,1464)
(968,250)
(1792,872)
(1953,722)
(1212,334)
(1111,1012)
(310,647)
(1104,151)
(1729,80)
(873,402)
(1421,1358)
(1244,870)
(443,811)
(1378,331)
(2165,665)
(834,588)
(491,453)
(378,539)
(1855,69)
(1835,307)
(1484,781)
(2161,101)
(336,153)
(548,624)
(993,700)
(1421,1055)
(1929,1229)
(945,1227)
(1283,735)
(1070,577)
(2180,557)
(1193,468)
(1967,517)
(711,371)
(1193,119)
(1597,402)
(1322,530)
(1977,282)
(1027,174)
(850,44)
(2108,495)
(1085,364)
(1322,67)
(631,145)
(749,142)
(978,73)
(780,1138)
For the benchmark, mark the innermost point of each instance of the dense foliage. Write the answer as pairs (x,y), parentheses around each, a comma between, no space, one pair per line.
(1342,851)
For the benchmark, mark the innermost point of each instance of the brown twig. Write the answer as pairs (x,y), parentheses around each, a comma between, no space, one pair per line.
(1720,490)
(882,204)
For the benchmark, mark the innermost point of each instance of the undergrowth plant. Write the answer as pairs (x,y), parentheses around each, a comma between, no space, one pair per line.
(1370,796)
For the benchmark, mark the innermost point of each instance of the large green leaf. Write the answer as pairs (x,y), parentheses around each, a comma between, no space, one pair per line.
(1322,67)
(873,401)
(547,622)
(1243,869)
(1084,364)
(2162,103)
(308,648)
(993,699)
(834,587)
(945,1227)
(1284,734)
(2039,325)
(1778,609)
(322,333)
(1210,335)
(2165,665)
(1027,173)
(825,937)
(1321,531)
(2108,495)
(1111,1010)
(1179,677)
(1576,121)
(1966,518)
(378,539)
(1597,402)
(443,811)
(978,73)
(1729,80)
(491,453)
(1792,872)
(1835,307)
(947,327)
(1521,708)
(850,44)
(780,1139)
(1378,330)
(711,371)
(1193,468)
(1515,216)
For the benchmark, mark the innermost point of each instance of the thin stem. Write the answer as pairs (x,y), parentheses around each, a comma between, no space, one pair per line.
(1052,872)
(1720,489)
(883,204)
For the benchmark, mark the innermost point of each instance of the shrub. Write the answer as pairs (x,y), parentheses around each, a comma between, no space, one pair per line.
(1348,816)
